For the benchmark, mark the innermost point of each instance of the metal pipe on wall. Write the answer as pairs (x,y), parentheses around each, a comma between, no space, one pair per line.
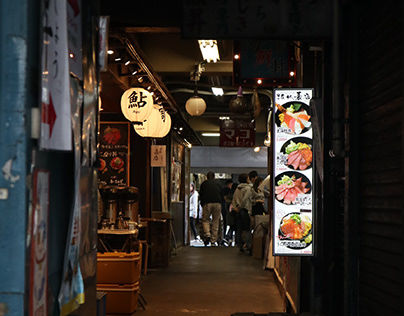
(337,115)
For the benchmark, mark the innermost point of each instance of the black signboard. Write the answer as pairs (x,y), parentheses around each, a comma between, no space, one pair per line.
(114,153)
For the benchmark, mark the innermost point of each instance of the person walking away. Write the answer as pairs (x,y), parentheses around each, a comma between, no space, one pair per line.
(193,210)
(252,175)
(228,197)
(258,198)
(211,196)
(242,203)
(232,217)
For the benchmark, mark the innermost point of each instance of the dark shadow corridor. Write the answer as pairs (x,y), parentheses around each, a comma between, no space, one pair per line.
(209,281)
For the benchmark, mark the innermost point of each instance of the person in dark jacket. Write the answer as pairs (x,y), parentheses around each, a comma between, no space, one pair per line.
(228,192)
(211,197)
(242,204)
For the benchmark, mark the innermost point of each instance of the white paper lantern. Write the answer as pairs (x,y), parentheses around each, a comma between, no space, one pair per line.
(195,105)
(136,104)
(151,126)
(165,124)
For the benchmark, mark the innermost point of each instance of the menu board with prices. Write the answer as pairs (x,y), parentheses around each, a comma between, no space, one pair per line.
(114,154)
(293,173)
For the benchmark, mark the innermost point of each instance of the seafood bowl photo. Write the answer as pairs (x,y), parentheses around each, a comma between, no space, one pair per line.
(299,153)
(112,135)
(294,117)
(296,226)
(290,185)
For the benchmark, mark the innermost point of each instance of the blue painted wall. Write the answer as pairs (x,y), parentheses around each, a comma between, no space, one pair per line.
(19,92)
(18,63)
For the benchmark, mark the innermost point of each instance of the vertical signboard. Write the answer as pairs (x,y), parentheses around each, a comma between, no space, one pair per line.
(114,153)
(56,126)
(293,173)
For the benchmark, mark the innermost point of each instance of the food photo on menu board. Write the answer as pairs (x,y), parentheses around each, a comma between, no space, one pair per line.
(295,230)
(298,153)
(293,188)
(293,117)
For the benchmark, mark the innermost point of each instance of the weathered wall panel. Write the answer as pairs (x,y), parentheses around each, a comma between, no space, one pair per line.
(381,158)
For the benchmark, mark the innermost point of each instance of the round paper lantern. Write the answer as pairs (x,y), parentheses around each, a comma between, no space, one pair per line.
(151,125)
(165,125)
(195,106)
(136,104)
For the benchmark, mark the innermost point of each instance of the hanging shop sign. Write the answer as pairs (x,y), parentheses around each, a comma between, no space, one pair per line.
(286,19)
(293,173)
(55,89)
(273,63)
(158,156)
(157,125)
(237,133)
(136,104)
(114,153)
(71,293)
(165,125)
(150,126)
(39,249)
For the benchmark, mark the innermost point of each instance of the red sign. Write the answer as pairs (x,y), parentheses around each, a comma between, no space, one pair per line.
(237,133)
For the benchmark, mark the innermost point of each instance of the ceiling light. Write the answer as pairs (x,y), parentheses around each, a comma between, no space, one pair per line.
(134,73)
(292,73)
(259,81)
(257,149)
(195,105)
(209,50)
(211,134)
(110,52)
(188,144)
(217,91)
(118,59)
(236,56)
(224,118)
(127,62)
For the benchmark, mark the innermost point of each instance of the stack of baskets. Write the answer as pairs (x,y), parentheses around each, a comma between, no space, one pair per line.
(118,275)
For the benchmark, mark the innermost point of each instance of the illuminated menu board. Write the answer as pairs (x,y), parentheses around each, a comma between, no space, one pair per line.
(293,173)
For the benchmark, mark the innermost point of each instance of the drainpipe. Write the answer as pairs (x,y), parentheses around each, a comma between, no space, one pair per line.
(337,115)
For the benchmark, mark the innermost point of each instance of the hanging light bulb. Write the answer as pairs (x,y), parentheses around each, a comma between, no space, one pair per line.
(195,105)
